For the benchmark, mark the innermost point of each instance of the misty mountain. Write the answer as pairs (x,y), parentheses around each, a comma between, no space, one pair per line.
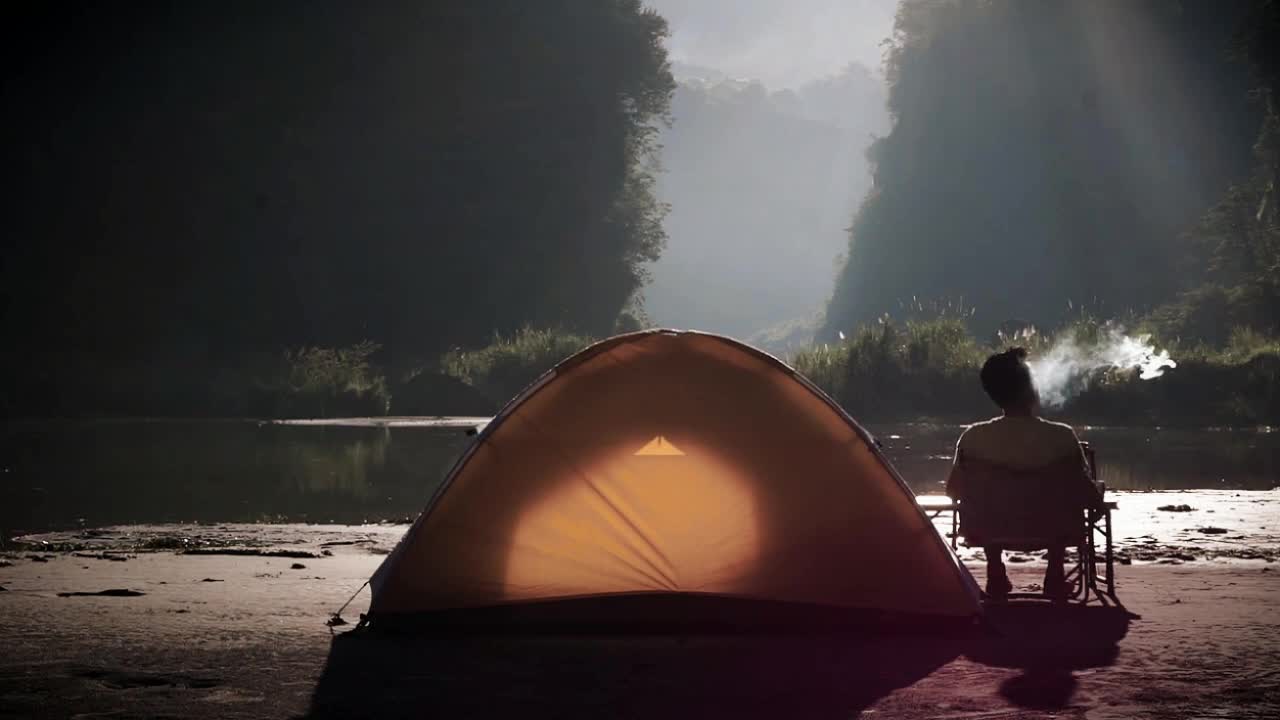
(761,187)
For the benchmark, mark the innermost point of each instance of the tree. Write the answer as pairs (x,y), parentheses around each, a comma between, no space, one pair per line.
(1234,280)
(198,181)
(1045,154)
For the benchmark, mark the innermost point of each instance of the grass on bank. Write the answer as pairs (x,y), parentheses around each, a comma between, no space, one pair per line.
(927,367)
(509,364)
(887,370)
(322,382)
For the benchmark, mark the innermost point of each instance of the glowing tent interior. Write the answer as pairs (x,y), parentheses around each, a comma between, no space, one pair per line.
(672,464)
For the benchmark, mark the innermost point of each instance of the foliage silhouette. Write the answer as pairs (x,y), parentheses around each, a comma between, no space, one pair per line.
(195,183)
(1044,152)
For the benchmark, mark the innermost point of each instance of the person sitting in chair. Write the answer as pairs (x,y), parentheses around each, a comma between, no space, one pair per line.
(1019,440)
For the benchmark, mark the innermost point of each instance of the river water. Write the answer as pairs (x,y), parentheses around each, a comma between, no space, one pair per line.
(70,475)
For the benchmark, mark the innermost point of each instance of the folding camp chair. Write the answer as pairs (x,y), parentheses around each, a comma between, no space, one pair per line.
(1034,509)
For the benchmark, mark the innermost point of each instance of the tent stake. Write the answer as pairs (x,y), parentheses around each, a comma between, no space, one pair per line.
(336,619)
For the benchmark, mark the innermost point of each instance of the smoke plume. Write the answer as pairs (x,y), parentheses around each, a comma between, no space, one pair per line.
(1067,368)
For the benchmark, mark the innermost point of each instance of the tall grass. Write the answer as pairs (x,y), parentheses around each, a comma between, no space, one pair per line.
(506,366)
(887,369)
(825,365)
(322,382)
(928,368)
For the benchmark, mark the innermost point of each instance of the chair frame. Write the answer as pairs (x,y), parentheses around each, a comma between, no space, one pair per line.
(1084,577)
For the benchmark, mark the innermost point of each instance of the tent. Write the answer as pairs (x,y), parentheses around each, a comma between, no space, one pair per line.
(663,465)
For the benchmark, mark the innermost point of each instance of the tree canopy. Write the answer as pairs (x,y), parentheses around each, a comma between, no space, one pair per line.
(1044,154)
(1232,279)
(193,181)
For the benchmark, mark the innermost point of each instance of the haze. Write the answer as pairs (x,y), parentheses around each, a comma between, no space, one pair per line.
(782,44)
(764,162)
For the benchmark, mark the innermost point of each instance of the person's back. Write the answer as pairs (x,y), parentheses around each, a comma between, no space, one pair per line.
(1021,440)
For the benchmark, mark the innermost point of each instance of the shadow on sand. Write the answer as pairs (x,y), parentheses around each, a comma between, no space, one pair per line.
(594,676)
(376,674)
(1048,644)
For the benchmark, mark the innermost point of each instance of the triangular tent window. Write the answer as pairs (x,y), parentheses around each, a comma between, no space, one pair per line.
(659,446)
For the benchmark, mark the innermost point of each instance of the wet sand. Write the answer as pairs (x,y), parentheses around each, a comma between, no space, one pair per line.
(245,636)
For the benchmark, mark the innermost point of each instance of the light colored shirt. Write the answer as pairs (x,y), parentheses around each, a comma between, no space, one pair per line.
(1023,443)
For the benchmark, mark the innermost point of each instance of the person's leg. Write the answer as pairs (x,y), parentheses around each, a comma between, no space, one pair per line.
(1055,583)
(998,584)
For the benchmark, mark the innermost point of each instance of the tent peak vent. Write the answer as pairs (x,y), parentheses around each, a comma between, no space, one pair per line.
(659,445)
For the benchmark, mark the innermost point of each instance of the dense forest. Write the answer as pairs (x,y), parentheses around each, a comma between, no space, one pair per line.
(1232,282)
(284,209)
(1048,155)
(196,185)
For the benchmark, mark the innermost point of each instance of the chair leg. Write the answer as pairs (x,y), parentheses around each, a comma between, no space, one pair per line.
(1089,561)
(1100,524)
(1081,573)
(1111,560)
(1076,578)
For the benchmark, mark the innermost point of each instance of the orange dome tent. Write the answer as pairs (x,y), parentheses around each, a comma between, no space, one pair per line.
(663,465)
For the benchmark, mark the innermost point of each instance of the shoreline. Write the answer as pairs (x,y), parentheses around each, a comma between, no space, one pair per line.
(1149,526)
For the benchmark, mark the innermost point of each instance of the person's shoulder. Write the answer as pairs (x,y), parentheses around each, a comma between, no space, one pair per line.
(1063,436)
(977,430)
(986,423)
(1059,428)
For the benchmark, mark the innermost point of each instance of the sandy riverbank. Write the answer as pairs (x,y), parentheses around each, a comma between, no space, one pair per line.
(235,636)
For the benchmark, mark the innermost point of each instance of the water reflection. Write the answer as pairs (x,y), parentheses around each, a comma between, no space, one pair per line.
(64,474)
(93,473)
(1128,458)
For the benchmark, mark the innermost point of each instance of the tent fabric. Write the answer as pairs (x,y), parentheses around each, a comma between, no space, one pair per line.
(675,463)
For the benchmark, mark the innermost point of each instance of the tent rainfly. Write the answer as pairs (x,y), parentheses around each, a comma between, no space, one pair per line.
(667,465)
